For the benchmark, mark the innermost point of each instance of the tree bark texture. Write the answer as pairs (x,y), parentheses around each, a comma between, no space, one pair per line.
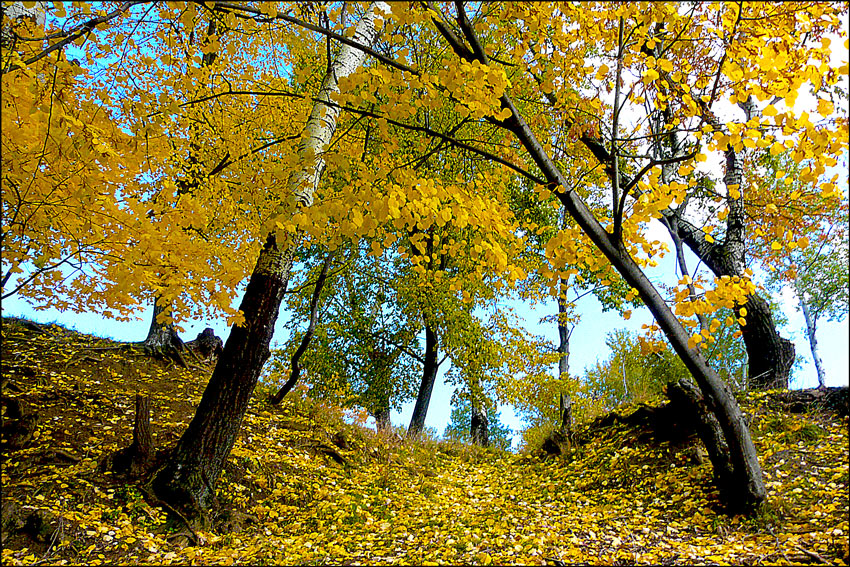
(693,407)
(161,335)
(382,419)
(135,459)
(565,403)
(429,377)
(187,480)
(479,425)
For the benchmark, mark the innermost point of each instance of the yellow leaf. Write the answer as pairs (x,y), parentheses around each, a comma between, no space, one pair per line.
(776,246)
(603,70)
(825,107)
(665,65)
(708,238)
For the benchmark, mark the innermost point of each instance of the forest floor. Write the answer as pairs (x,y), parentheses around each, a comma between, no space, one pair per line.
(304,486)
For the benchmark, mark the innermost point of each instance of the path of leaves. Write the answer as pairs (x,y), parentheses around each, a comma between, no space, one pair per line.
(616,500)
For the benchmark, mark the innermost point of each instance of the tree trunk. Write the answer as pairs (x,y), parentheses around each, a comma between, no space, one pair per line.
(382,419)
(769,356)
(811,329)
(295,364)
(11,16)
(565,403)
(186,482)
(748,489)
(160,334)
(694,408)
(162,339)
(479,426)
(135,459)
(429,377)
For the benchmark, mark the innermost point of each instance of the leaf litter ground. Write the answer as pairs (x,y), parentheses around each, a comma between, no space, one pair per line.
(304,486)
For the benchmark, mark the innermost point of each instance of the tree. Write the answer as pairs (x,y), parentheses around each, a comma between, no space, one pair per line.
(460,424)
(505,91)
(193,466)
(364,352)
(744,485)
(815,265)
(636,370)
(159,214)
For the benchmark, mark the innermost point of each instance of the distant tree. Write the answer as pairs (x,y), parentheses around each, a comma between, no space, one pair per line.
(820,283)
(364,351)
(460,424)
(814,267)
(636,370)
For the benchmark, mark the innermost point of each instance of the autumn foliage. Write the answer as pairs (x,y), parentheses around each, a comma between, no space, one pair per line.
(452,158)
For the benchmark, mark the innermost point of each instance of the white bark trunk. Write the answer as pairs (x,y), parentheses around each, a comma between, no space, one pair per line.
(322,123)
(320,127)
(15,12)
(811,330)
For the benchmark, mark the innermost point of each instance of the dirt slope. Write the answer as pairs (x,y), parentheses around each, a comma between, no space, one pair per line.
(303,486)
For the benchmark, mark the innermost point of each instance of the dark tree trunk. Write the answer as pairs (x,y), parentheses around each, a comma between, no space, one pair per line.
(694,408)
(295,364)
(161,335)
(565,403)
(769,356)
(429,377)
(162,339)
(382,419)
(479,425)
(187,480)
(135,459)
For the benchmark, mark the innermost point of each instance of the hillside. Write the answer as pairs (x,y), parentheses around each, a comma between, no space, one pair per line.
(303,486)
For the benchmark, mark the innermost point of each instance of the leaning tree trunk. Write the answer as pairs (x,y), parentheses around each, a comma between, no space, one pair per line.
(187,480)
(295,362)
(746,485)
(429,377)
